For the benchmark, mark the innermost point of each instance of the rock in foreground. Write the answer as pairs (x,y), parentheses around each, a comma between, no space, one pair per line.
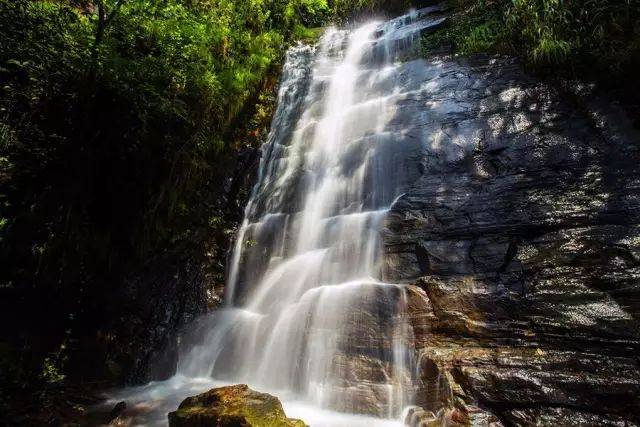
(235,405)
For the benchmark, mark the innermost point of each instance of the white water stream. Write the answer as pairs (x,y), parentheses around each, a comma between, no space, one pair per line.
(307,316)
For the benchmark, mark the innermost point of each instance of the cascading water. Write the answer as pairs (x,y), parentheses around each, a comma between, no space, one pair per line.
(307,315)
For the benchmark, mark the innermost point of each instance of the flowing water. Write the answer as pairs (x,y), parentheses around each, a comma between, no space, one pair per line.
(307,315)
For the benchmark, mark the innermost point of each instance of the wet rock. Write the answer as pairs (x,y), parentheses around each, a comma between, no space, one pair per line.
(371,399)
(418,417)
(118,409)
(363,384)
(167,295)
(235,405)
(451,417)
(520,238)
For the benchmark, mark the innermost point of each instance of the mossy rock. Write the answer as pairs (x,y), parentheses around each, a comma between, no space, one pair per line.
(235,405)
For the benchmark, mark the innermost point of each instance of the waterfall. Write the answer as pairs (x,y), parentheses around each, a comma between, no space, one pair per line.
(308,316)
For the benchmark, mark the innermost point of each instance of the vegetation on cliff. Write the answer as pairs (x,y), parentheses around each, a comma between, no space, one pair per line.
(122,123)
(593,39)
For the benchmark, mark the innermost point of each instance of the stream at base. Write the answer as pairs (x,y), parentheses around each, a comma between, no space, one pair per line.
(150,404)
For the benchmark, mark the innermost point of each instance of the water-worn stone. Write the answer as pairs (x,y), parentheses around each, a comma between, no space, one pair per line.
(229,406)
(418,417)
(520,238)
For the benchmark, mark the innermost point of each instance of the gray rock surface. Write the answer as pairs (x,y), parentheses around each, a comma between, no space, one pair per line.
(519,234)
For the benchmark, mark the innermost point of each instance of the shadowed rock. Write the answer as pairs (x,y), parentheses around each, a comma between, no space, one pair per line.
(521,241)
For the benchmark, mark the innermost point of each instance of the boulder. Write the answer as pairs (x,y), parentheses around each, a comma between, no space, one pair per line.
(235,405)
(418,417)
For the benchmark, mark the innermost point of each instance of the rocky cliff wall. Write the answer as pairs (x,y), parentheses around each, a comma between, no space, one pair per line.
(520,238)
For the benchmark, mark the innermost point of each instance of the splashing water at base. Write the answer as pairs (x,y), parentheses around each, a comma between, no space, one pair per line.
(149,405)
(307,316)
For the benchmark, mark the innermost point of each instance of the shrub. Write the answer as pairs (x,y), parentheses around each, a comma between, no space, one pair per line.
(118,134)
(593,37)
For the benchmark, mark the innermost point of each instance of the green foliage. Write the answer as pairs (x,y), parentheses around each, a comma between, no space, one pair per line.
(476,29)
(309,13)
(482,37)
(307,35)
(544,28)
(480,29)
(604,32)
(346,10)
(600,36)
(160,94)
(119,133)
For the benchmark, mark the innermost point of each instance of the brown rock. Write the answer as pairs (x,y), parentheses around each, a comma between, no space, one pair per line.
(229,406)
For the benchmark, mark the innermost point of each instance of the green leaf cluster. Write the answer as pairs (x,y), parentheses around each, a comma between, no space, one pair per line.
(139,107)
(121,122)
(347,10)
(598,36)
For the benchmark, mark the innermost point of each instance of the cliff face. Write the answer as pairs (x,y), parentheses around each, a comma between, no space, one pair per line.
(157,302)
(519,236)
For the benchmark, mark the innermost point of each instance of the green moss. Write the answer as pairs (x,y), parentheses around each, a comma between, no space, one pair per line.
(307,35)
(230,406)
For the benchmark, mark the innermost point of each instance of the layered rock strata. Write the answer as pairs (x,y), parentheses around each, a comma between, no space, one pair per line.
(520,241)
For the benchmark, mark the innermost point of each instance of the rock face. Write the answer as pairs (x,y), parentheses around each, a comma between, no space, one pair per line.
(162,298)
(148,310)
(519,237)
(235,405)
